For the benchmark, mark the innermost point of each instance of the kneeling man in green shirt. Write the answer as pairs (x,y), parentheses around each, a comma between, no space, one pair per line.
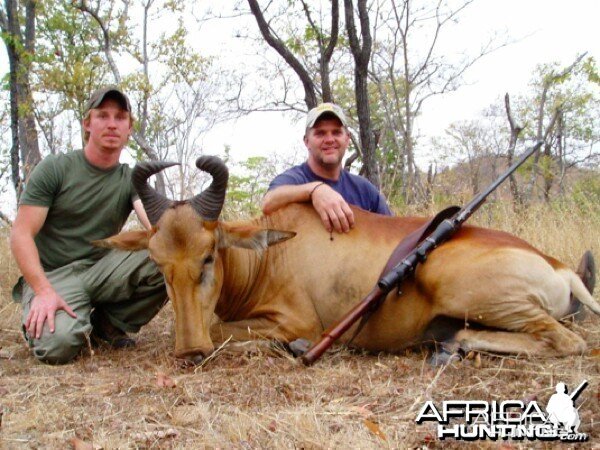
(71,290)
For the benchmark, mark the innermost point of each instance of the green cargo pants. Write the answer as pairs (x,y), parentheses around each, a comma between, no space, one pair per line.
(126,285)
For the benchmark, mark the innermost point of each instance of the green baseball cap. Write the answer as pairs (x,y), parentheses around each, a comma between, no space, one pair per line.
(325,108)
(99,95)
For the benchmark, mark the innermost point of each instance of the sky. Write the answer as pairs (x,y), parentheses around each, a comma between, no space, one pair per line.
(542,31)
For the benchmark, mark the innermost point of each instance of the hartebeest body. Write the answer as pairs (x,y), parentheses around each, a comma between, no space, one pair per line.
(298,288)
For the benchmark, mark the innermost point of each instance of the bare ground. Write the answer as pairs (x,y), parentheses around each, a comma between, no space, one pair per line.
(141,398)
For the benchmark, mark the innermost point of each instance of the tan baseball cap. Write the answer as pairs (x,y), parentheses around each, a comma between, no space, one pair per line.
(325,108)
(99,95)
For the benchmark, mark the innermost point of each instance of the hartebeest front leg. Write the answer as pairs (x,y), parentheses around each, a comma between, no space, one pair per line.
(249,330)
(259,332)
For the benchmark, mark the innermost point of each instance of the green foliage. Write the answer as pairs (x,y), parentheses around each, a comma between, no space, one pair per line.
(570,99)
(245,191)
(184,64)
(586,194)
(69,57)
(546,165)
(589,68)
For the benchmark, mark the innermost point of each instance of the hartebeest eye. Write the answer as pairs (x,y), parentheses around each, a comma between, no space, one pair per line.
(209,259)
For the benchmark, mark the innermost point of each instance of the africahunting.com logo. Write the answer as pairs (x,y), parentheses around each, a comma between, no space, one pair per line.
(510,419)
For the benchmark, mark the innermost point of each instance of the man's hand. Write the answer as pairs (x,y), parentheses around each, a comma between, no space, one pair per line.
(44,307)
(332,208)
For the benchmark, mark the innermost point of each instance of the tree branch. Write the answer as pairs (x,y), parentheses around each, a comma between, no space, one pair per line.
(83,7)
(310,97)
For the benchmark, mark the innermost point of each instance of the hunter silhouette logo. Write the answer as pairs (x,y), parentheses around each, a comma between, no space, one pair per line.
(509,419)
(561,408)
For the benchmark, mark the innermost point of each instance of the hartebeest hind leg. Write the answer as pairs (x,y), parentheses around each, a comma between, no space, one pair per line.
(553,340)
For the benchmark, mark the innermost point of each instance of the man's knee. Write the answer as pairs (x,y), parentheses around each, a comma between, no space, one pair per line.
(59,347)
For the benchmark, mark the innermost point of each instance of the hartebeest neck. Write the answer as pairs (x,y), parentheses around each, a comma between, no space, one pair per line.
(242,269)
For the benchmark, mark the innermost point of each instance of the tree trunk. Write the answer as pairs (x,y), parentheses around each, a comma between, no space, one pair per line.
(560,139)
(362,54)
(25,151)
(515,130)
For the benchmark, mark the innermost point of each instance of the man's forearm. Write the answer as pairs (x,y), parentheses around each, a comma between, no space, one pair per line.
(28,259)
(140,212)
(284,195)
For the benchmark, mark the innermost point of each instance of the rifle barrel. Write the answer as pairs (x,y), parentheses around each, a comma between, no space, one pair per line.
(474,204)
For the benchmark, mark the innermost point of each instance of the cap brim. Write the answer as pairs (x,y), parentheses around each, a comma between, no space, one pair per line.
(328,113)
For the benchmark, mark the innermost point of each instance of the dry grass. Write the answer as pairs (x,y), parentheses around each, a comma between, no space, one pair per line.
(265,399)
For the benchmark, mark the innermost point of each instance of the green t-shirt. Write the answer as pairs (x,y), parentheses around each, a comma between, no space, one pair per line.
(84,203)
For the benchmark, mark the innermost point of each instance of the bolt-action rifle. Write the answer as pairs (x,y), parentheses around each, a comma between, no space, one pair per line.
(413,250)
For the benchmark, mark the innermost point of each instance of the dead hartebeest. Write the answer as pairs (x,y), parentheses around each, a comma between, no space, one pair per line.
(512,292)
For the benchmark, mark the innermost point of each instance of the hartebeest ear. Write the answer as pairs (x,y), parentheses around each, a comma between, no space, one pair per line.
(128,240)
(247,236)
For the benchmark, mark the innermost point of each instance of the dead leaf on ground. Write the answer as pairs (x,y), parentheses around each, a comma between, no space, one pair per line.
(163,380)
(79,444)
(595,352)
(374,428)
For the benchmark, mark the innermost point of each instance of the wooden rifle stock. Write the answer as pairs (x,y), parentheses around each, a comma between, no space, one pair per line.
(425,244)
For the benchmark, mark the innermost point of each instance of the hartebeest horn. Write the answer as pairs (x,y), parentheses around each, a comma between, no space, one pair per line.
(154,203)
(209,203)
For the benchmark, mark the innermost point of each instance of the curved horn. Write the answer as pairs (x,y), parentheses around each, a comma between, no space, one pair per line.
(154,203)
(209,203)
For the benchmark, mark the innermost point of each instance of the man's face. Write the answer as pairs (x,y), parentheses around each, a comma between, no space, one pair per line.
(327,142)
(109,125)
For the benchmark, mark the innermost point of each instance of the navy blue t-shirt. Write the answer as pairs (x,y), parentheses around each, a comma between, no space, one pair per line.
(356,190)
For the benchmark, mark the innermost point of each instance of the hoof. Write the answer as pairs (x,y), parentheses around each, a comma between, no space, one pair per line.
(442,358)
(190,361)
(299,347)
